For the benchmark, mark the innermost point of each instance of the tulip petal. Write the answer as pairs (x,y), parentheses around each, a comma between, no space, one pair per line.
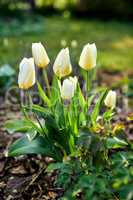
(40,56)
(26,77)
(62,65)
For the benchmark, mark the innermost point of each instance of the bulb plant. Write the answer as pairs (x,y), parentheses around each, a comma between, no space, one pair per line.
(70,121)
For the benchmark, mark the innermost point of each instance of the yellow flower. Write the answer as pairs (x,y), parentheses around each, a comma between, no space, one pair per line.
(62,65)
(88,56)
(40,56)
(26,77)
(110,100)
(68,88)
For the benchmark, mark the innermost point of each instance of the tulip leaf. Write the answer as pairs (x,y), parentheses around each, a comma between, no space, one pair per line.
(38,109)
(43,95)
(31,134)
(39,145)
(13,126)
(55,92)
(33,124)
(97,107)
(114,143)
(54,166)
(81,97)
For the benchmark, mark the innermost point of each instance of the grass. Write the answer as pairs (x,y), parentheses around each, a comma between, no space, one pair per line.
(114,40)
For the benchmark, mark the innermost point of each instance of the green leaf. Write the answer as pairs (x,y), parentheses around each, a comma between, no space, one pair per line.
(89,141)
(114,143)
(43,95)
(38,109)
(59,112)
(31,134)
(81,97)
(37,146)
(97,107)
(108,115)
(33,124)
(13,126)
(55,91)
(54,166)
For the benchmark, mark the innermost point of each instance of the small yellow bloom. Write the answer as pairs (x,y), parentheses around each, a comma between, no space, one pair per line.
(118,128)
(62,65)
(130,117)
(88,57)
(26,77)
(110,100)
(40,56)
(68,88)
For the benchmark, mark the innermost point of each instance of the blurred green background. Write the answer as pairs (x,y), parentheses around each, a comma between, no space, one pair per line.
(73,23)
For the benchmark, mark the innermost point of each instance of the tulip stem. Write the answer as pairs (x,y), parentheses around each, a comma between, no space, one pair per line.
(45,75)
(88,83)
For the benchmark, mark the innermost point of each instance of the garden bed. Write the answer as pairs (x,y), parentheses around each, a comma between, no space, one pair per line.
(24,177)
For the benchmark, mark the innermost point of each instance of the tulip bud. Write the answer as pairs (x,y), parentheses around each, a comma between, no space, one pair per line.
(68,88)
(88,56)
(62,65)
(110,100)
(40,56)
(26,77)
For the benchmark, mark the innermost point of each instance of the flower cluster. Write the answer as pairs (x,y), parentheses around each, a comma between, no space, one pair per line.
(71,116)
(62,67)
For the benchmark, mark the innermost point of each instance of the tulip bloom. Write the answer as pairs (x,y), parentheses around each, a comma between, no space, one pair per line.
(68,88)
(110,100)
(40,56)
(88,57)
(26,77)
(62,65)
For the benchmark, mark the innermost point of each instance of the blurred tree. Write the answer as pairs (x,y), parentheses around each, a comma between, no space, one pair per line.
(96,8)
(111,8)
(32,4)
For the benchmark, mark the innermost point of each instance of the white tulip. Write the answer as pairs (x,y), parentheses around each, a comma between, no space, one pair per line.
(40,56)
(88,56)
(110,100)
(26,77)
(68,88)
(62,65)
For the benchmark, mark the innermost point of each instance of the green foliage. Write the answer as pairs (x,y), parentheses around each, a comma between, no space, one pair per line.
(89,182)
(96,110)
(62,128)
(113,143)
(17,125)
(37,146)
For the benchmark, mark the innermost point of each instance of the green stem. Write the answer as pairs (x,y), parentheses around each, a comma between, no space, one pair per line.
(21,98)
(88,83)
(63,107)
(88,90)
(45,75)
